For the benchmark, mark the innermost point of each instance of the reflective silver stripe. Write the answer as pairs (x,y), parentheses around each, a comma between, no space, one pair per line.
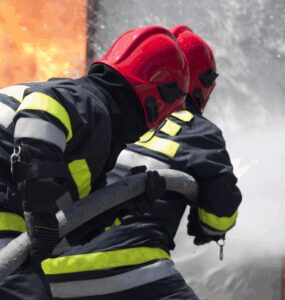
(133,159)
(41,130)
(113,284)
(212,231)
(6,115)
(14,91)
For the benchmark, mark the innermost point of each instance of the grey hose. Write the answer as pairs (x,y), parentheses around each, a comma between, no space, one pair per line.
(16,252)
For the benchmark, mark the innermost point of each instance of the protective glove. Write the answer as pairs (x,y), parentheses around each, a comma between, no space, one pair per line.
(39,211)
(42,229)
(154,189)
(194,229)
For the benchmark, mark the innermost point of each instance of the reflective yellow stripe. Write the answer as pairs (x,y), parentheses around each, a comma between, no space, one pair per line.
(40,101)
(183,115)
(102,260)
(82,176)
(117,222)
(12,222)
(171,128)
(148,135)
(161,145)
(218,223)
(15,91)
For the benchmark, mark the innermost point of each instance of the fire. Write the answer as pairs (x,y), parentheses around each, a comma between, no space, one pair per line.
(41,39)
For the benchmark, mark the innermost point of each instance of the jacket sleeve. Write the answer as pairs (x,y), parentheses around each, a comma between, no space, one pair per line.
(53,118)
(209,163)
(51,113)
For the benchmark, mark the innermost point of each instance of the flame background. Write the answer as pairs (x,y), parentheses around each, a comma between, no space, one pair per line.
(41,39)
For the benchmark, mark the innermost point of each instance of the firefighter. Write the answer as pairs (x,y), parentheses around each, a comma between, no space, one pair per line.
(68,133)
(187,142)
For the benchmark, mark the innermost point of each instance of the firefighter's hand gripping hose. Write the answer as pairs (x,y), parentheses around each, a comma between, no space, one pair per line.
(155,187)
(15,253)
(200,236)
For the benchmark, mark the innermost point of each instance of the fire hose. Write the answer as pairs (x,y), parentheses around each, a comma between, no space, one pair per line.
(15,253)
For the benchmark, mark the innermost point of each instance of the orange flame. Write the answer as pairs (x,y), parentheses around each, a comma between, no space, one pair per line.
(41,39)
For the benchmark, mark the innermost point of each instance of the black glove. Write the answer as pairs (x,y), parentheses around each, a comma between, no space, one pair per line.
(194,229)
(39,212)
(155,188)
(42,229)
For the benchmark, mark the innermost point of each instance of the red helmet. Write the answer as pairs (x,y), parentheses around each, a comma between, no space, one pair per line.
(202,64)
(155,67)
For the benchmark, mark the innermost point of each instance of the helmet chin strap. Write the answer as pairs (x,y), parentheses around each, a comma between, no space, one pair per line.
(155,131)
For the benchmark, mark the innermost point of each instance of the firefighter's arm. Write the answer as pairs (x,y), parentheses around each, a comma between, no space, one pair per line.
(42,127)
(219,196)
